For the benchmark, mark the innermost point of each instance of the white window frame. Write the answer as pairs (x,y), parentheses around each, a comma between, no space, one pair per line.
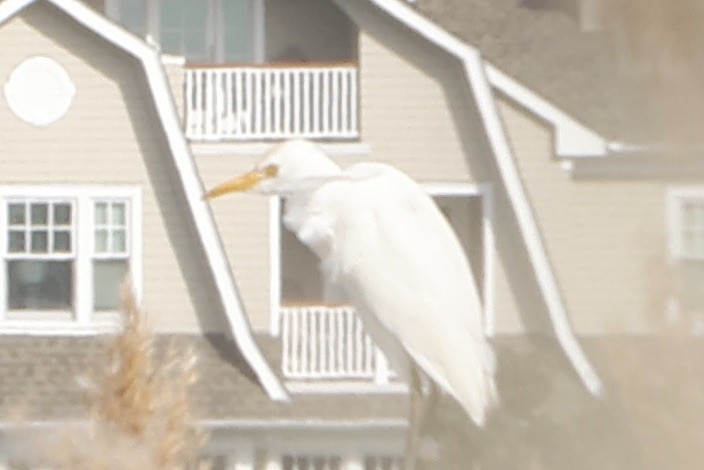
(82,319)
(676,199)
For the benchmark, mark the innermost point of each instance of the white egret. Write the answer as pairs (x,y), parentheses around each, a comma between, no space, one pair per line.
(382,239)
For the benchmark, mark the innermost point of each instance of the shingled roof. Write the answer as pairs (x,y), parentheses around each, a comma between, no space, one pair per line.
(545,50)
(40,381)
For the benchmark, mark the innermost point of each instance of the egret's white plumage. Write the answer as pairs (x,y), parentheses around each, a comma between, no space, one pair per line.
(384,241)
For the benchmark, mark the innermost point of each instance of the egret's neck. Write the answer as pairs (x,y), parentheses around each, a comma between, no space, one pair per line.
(296,210)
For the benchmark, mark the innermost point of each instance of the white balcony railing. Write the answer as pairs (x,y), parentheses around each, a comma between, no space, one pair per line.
(324,343)
(266,103)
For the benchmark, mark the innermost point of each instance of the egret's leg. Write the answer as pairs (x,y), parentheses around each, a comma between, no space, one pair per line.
(415,420)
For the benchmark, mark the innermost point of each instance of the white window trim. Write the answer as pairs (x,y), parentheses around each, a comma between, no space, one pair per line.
(482,190)
(83,320)
(675,199)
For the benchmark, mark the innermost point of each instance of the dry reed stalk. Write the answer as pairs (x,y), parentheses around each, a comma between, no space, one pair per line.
(140,412)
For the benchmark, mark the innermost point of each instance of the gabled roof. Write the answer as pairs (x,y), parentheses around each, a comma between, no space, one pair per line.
(544,49)
(185,167)
(480,88)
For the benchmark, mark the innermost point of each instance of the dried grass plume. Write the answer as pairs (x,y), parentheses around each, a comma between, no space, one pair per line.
(140,405)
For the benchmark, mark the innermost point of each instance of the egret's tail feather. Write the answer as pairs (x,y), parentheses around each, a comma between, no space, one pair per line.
(476,390)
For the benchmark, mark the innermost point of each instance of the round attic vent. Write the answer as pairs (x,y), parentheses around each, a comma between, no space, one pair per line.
(39,91)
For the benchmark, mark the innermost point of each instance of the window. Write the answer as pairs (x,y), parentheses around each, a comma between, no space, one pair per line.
(687,226)
(199,30)
(183,28)
(65,252)
(110,255)
(691,228)
(40,254)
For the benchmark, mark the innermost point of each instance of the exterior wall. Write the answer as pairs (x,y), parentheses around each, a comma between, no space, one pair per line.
(174,74)
(243,222)
(110,136)
(606,238)
(406,117)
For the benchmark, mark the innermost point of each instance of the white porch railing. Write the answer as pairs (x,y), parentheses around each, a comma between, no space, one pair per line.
(322,343)
(250,103)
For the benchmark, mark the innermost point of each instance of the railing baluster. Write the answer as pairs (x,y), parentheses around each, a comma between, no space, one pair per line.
(344,96)
(332,341)
(340,318)
(353,102)
(219,123)
(307,97)
(335,130)
(295,341)
(286,343)
(229,104)
(188,103)
(296,75)
(314,342)
(238,114)
(316,103)
(258,102)
(200,111)
(287,78)
(368,354)
(325,127)
(349,336)
(322,365)
(305,368)
(358,346)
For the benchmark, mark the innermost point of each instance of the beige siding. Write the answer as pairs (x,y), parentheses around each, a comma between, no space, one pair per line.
(605,238)
(109,136)
(406,117)
(243,223)
(175,77)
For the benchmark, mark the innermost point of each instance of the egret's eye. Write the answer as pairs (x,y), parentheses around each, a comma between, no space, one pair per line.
(271,171)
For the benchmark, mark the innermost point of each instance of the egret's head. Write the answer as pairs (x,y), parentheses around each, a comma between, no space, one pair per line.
(292,166)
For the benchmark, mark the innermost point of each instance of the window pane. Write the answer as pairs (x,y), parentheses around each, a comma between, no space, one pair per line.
(101,213)
(40,284)
(16,214)
(119,243)
(107,277)
(40,241)
(183,28)
(101,241)
(239,36)
(133,14)
(39,214)
(62,214)
(16,242)
(118,213)
(62,241)
(171,11)
(194,45)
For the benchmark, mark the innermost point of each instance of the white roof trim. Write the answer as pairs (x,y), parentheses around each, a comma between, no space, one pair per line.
(192,185)
(482,92)
(240,424)
(572,139)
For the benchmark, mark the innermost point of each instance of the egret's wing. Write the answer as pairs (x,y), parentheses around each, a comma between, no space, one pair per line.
(399,260)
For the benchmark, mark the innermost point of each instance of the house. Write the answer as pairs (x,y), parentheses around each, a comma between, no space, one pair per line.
(117,114)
